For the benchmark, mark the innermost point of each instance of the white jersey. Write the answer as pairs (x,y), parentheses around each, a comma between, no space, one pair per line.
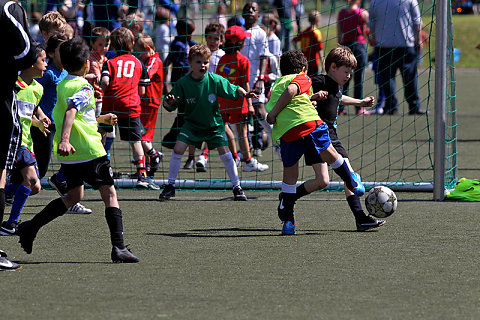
(275,45)
(216,55)
(255,47)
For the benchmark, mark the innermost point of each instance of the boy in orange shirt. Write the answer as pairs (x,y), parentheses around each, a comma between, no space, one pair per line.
(311,43)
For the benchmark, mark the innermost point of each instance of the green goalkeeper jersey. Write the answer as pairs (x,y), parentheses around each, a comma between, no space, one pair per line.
(199,99)
(28,98)
(84,135)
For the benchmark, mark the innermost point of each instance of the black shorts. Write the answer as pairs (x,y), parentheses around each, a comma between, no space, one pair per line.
(10,130)
(131,129)
(23,159)
(336,143)
(96,172)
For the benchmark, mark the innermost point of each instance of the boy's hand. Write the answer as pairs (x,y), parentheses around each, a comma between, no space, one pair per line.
(108,119)
(271,118)
(320,95)
(64,148)
(169,100)
(251,110)
(251,94)
(368,102)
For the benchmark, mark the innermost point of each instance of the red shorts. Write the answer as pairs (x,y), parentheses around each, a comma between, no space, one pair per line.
(149,121)
(234,118)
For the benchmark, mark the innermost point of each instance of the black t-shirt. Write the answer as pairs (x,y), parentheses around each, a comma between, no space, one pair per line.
(327,109)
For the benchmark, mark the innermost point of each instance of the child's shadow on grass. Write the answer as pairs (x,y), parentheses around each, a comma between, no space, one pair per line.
(242,233)
(61,262)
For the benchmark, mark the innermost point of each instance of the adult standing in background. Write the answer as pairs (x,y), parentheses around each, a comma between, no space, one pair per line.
(395,32)
(286,14)
(17,55)
(352,31)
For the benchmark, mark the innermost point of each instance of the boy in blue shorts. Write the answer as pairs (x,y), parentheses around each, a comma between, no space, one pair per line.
(197,94)
(79,149)
(301,132)
(339,64)
(24,179)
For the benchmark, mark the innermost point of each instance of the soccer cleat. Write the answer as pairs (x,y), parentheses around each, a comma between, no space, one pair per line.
(155,160)
(369,223)
(362,111)
(359,189)
(257,152)
(189,163)
(9,230)
(27,236)
(61,187)
(78,209)
(201,164)
(146,183)
(123,255)
(238,194)
(254,165)
(288,228)
(167,193)
(7,265)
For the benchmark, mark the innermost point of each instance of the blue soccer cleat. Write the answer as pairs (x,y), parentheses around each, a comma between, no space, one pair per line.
(288,228)
(359,189)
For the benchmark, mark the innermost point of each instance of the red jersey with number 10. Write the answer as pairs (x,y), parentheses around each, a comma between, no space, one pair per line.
(126,73)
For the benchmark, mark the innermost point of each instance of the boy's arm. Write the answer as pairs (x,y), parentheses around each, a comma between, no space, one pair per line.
(105,78)
(290,92)
(64,147)
(108,119)
(349,101)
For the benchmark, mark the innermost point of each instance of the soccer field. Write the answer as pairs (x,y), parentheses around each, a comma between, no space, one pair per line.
(204,256)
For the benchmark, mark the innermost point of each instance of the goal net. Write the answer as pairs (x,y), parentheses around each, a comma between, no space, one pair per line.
(393,150)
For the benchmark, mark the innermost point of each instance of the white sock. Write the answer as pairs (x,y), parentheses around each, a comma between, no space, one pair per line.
(174,167)
(231,168)
(289,188)
(338,163)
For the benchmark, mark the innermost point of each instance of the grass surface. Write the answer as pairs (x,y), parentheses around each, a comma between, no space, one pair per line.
(206,257)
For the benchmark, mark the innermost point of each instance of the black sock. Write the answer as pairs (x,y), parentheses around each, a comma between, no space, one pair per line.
(289,204)
(53,210)
(301,191)
(356,207)
(115,224)
(2,203)
(344,172)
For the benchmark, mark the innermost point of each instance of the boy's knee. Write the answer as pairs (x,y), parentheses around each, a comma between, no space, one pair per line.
(36,187)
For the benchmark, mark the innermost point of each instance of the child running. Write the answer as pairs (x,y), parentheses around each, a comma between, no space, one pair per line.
(339,64)
(79,149)
(24,180)
(301,132)
(197,93)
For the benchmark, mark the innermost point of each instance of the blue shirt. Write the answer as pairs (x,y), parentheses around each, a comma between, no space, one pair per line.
(106,13)
(49,81)
(178,55)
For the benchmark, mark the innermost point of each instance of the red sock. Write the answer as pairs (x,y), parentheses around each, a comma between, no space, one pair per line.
(205,152)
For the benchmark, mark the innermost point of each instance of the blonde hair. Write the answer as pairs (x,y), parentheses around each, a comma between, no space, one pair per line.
(52,22)
(199,49)
(144,41)
(341,56)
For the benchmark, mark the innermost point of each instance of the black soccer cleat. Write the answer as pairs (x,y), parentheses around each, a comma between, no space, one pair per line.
(61,187)
(123,255)
(369,223)
(27,236)
(167,193)
(238,194)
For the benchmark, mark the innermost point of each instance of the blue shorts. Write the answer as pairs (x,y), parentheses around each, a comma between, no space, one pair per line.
(23,159)
(311,145)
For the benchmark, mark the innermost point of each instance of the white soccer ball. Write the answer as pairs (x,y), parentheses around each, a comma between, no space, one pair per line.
(381,202)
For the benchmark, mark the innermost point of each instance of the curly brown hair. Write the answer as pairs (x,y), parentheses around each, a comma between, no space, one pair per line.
(199,49)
